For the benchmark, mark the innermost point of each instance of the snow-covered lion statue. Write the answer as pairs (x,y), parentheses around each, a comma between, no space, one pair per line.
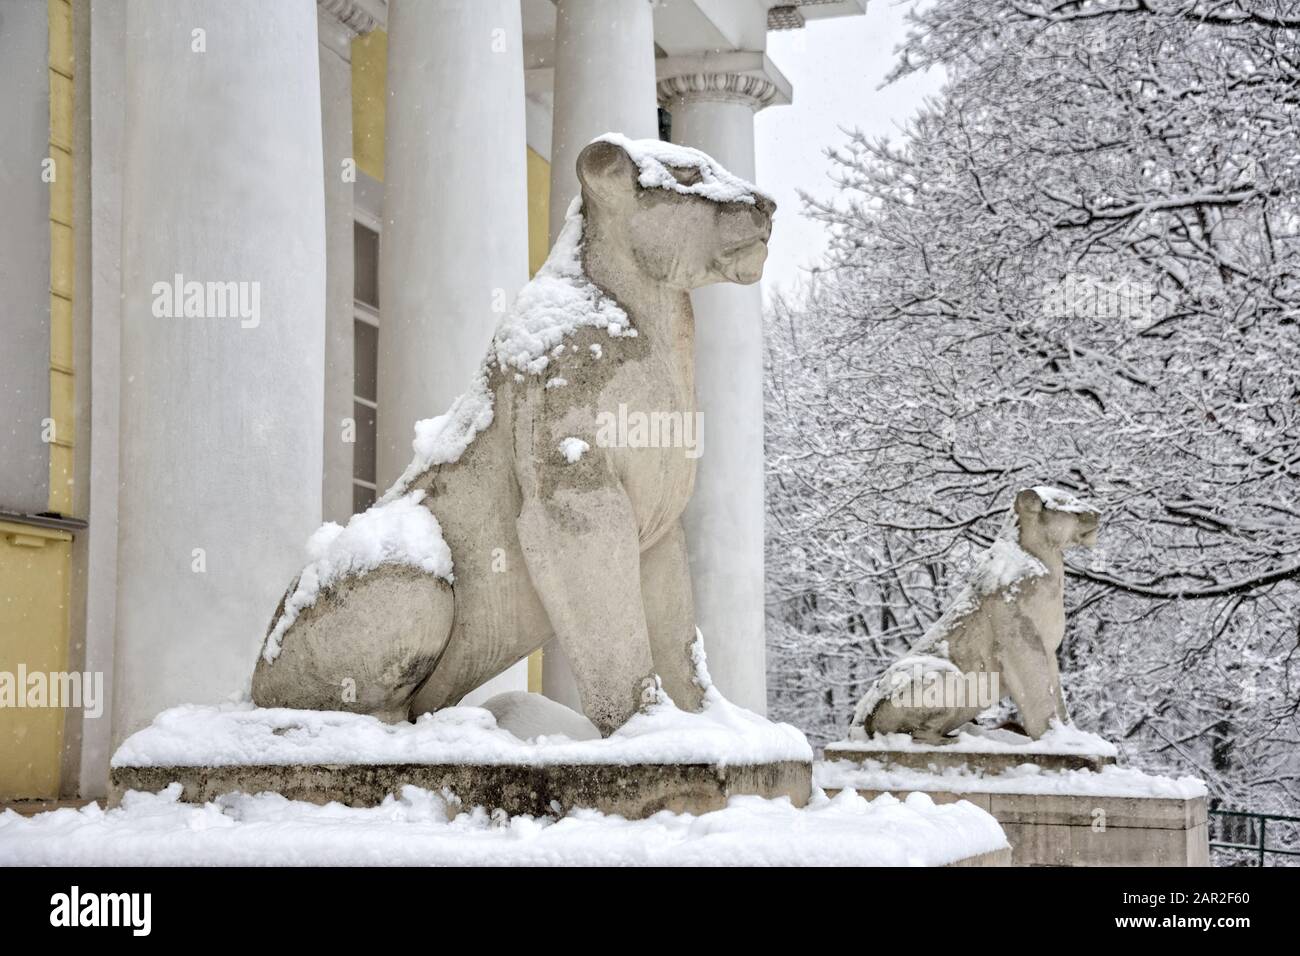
(515,523)
(1006,624)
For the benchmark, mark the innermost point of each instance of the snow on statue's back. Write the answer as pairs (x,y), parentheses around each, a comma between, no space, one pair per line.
(514,523)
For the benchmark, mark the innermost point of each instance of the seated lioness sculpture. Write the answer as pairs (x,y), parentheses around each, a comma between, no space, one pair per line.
(516,522)
(1007,623)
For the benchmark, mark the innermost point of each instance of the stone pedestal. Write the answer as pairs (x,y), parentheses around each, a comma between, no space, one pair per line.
(938,759)
(1064,830)
(1114,816)
(670,760)
(992,858)
(632,791)
(1068,830)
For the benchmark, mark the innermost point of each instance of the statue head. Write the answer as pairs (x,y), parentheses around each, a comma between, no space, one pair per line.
(1053,518)
(678,237)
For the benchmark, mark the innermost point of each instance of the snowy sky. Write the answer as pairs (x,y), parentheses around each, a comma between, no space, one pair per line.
(836,68)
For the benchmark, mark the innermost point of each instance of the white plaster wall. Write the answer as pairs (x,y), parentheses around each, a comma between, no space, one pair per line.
(24,263)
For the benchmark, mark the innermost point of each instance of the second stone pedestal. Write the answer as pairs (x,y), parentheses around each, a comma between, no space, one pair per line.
(1110,816)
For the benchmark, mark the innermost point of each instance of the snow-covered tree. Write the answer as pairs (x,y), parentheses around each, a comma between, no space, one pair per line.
(1080,266)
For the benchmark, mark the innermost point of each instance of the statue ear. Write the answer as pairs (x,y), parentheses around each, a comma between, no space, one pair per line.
(1028,503)
(606,171)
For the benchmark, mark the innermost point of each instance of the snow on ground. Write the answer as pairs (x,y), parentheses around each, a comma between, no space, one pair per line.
(398,531)
(414,829)
(238,733)
(1027,778)
(1059,739)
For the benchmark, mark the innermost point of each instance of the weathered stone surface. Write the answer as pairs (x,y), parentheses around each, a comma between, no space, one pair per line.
(634,791)
(1150,813)
(1049,844)
(1069,830)
(553,531)
(992,858)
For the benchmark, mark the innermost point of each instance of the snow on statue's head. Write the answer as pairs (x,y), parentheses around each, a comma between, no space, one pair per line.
(673,213)
(1051,518)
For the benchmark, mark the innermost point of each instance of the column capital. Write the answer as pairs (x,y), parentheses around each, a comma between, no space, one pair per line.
(743,77)
(359,16)
(338,21)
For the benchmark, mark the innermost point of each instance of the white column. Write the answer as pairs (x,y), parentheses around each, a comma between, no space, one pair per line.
(455,242)
(107,72)
(220,449)
(339,22)
(604,82)
(714,112)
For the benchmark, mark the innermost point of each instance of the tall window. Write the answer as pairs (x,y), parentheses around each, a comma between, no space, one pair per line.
(365,339)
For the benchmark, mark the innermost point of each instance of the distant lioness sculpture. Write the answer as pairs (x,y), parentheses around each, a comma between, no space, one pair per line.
(1008,622)
(516,523)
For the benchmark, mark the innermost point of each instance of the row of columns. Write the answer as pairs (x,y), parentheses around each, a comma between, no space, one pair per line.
(226,179)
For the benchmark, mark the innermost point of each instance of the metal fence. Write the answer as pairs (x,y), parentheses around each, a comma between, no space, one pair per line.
(1239,838)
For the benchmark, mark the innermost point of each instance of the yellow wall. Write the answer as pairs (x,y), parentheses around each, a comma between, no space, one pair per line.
(35,562)
(34,610)
(539,204)
(61,258)
(369,88)
(539,210)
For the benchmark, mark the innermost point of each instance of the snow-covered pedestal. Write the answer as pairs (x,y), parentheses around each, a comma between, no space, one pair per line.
(1060,799)
(980,750)
(520,781)
(525,755)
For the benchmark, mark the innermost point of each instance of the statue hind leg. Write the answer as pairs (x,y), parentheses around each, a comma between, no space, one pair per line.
(365,646)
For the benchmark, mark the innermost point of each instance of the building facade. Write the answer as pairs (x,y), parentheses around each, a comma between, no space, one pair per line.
(246,246)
